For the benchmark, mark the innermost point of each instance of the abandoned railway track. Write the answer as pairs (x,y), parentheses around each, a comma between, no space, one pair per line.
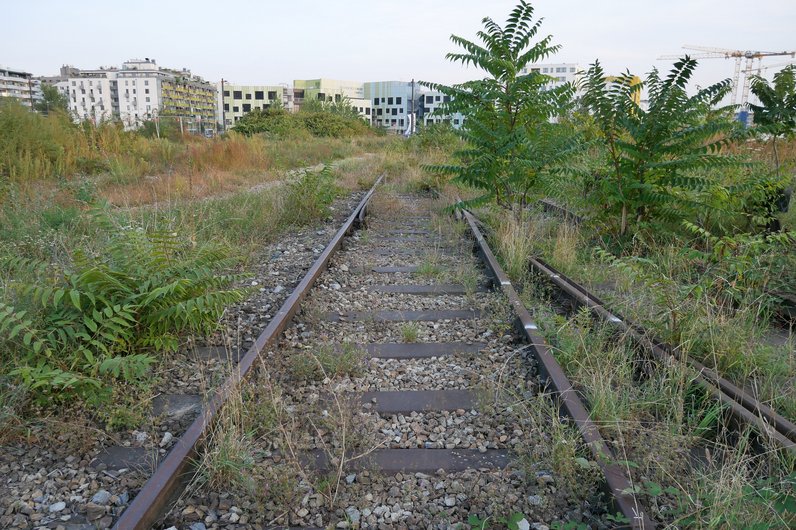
(391,390)
(743,407)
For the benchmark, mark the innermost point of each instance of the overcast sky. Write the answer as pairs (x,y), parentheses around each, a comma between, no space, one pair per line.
(268,42)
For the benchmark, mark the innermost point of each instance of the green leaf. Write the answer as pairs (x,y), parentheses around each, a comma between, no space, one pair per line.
(59,294)
(74,295)
(90,324)
(653,489)
(16,330)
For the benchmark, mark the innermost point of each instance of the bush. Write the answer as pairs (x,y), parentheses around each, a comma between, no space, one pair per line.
(32,145)
(440,136)
(103,316)
(282,124)
(310,196)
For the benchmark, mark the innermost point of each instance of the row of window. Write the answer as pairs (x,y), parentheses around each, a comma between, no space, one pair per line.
(91,82)
(246,107)
(390,123)
(389,101)
(394,111)
(558,70)
(258,94)
(441,120)
(432,99)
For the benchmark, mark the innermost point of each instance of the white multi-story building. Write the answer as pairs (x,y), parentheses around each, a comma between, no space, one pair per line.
(138,91)
(560,72)
(393,104)
(430,111)
(139,88)
(92,95)
(235,101)
(19,85)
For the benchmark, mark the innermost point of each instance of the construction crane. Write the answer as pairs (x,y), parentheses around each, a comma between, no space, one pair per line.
(726,53)
(769,66)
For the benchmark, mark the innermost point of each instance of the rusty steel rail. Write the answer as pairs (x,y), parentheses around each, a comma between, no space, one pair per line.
(550,206)
(617,479)
(156,494)
(741,405)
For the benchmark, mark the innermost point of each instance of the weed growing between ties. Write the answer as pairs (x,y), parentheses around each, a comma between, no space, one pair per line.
(409,332)
(260,446)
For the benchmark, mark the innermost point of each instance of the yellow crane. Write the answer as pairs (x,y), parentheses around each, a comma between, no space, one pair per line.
(750,56)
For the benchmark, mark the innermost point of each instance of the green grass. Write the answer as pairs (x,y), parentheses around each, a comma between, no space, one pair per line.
(327,362)
(654,413)
(409,332)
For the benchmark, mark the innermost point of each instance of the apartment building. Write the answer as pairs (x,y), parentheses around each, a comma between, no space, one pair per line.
(393,103)
(189,98)
(430,110)
(138,91)
(235,101)
(147,91)
(560,72)
(19,85)
(92,95)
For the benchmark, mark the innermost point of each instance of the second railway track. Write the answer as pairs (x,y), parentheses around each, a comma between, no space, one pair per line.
(400,396)
(741,405)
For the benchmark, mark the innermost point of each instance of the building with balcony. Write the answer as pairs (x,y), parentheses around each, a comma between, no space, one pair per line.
(137,92)
(190,99)
(19,85)
(92,95)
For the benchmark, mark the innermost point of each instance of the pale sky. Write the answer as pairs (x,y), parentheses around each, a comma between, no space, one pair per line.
(269,42)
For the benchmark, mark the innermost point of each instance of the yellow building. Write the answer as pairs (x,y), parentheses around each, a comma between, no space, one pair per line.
(635,80)
(190,98)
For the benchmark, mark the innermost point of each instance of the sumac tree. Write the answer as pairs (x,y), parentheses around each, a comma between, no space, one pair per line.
(510,142)
(656,157)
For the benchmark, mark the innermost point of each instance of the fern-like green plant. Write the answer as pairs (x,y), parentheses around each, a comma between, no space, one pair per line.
(510,142)
(656,156)
(106,314)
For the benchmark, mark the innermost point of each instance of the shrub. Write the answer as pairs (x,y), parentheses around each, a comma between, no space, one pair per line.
(510,143)
(320,122)
(103,316)
(310,196)
(656,159)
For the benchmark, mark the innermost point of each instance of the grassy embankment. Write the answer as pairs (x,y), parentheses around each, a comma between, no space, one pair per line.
(130,243)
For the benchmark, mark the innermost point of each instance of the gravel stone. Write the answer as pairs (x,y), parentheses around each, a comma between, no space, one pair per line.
(102,497)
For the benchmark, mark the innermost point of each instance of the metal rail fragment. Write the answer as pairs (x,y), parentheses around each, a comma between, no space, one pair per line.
(616,477)
(150,503)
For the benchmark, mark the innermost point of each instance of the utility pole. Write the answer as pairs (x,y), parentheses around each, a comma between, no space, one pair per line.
(412,110)
(223,113)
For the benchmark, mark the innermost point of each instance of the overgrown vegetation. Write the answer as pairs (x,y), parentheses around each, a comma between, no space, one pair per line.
(510,144)
(105,291)
(337,120)
(685,232)
(68,330)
